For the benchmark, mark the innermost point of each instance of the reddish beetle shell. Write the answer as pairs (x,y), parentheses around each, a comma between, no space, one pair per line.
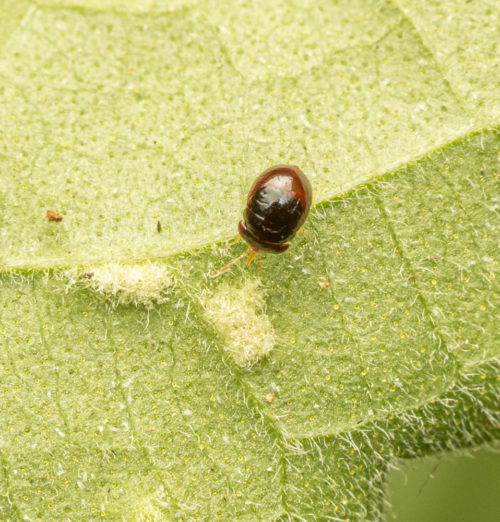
(277,206)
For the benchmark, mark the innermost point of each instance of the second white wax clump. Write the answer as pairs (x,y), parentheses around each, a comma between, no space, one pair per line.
(239,317)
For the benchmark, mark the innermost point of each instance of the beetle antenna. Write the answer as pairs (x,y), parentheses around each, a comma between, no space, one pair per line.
(316,190)
(233,262)
(232,243)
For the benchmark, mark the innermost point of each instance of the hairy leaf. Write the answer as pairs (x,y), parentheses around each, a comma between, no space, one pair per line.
(133,385)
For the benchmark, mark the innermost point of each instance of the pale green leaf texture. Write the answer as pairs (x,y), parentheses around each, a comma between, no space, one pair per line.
(120,394)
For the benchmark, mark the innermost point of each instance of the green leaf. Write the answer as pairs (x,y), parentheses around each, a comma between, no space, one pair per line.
(133,385)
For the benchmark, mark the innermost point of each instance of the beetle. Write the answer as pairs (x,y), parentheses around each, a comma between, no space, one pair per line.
(277,206)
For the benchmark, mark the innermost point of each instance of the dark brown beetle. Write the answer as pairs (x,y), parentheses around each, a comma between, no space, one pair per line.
(277,206)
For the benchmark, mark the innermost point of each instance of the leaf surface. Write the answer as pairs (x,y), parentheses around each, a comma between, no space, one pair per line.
(120,115)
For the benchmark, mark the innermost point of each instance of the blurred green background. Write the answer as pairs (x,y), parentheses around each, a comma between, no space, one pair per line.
(446,488)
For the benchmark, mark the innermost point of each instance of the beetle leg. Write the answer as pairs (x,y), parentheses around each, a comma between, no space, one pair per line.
(250,257)
(229,265)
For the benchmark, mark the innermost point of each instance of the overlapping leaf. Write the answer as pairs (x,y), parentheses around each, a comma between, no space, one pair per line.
(120,115)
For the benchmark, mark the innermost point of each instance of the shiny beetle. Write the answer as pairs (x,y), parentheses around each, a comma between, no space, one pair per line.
(277,206)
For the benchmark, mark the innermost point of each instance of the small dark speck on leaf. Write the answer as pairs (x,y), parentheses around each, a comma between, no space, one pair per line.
(53,215)
(158,227)
(88,275)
